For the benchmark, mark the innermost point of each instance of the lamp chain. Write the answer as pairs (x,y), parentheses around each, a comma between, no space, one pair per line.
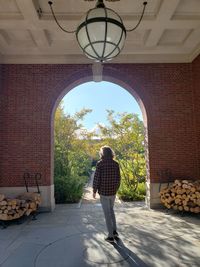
(50,4)
(144,6)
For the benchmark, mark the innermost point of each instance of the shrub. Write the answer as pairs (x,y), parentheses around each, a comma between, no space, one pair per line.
(126,194)
(69,189)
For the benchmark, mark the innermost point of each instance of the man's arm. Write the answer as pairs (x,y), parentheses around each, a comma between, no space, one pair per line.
(96,180)
(118,176)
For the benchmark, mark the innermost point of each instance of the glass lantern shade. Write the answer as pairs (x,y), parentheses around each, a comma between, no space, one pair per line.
(102,34)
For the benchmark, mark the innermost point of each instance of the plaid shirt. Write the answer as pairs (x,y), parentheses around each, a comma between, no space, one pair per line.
(106,178)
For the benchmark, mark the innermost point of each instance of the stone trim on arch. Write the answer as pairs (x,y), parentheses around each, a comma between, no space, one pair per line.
(120,79)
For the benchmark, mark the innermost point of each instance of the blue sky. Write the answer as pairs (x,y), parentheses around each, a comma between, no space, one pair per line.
(99,97)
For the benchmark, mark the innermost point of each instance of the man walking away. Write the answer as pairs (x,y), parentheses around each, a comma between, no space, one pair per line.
(106,182)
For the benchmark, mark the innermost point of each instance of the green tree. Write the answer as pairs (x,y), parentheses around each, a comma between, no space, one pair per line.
(72,162)
(125,134)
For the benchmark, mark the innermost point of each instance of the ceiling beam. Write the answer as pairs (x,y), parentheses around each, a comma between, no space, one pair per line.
(165,14)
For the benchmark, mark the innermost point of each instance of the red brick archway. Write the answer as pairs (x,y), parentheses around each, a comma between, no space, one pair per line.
(29,95)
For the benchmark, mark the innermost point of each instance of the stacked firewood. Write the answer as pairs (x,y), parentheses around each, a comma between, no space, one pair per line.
(15,208)
(182,195)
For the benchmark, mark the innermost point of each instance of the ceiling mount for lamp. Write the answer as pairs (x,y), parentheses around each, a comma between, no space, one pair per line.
(101,35)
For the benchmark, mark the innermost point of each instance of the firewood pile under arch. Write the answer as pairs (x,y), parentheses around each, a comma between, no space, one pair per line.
(182,195)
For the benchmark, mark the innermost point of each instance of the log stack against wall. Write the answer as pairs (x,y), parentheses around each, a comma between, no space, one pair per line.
(182,195)
(24,204)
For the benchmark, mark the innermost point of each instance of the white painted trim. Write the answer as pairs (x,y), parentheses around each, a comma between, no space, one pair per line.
(97,69)
(195,54)
(80,59)
(153,194)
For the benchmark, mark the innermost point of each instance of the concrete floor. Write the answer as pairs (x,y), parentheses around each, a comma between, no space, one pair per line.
(73,236)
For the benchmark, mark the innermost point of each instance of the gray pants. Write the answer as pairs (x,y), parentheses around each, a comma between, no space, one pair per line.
(107,203)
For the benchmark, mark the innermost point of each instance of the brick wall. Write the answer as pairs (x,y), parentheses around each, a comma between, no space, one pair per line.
(27,100)
(196,107)
(30,93)
(1,123)
(167,94)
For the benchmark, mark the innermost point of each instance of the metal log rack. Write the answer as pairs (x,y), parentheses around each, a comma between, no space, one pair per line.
(27,177)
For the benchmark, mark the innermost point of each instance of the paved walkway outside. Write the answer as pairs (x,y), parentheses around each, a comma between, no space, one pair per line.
(73,236)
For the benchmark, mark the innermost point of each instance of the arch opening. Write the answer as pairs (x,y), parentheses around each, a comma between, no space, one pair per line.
(133,94)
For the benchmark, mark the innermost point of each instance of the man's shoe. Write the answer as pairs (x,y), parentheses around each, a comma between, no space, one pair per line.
(110,239)
(115,234)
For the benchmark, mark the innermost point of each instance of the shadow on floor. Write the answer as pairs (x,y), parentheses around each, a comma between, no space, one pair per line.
(128,255)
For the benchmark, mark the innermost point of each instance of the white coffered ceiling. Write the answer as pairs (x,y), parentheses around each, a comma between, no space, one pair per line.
(169,32)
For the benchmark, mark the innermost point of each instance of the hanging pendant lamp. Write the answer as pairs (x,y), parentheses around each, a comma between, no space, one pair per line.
(102,34)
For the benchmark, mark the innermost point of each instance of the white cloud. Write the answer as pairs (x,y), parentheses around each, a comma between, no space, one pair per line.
(96,129)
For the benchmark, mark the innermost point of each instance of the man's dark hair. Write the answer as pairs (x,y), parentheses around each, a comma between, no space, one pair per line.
(106,153)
